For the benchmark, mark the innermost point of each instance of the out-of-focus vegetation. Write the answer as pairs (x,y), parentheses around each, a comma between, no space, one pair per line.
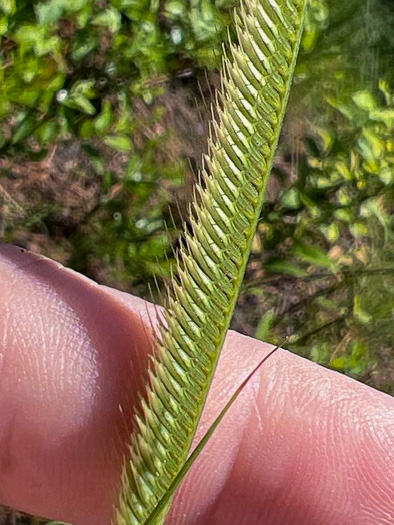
(103,119)
(91,94)
(323,268)
(322,271)
(328,243)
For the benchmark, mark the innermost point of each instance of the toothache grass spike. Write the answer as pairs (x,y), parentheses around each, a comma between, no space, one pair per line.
(256,79)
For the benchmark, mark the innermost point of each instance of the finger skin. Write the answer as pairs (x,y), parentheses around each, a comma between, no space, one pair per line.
(70,355)
(301,445)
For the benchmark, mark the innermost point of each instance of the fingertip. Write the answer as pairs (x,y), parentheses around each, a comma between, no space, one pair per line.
(72,354)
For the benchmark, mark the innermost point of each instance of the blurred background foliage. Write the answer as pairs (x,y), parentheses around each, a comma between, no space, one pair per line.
(98,127)
(322,267)
(104,115)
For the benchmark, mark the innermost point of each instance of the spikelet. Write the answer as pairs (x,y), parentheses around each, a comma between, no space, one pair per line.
(256,81)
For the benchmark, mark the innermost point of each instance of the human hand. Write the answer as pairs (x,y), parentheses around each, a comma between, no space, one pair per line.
(301,445)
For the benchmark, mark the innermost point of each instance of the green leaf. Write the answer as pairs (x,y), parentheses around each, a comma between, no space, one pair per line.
(343,214)
(49,12)
(23,129)
(119,142)
(386,175)
(80,103)
(73,6)
(359,229)
(365,100)
(376,142)
(327,138)
(83,87)
(87,129)
(82,47)
(286,268)
(265,325)
(29,34)
(385,115)
(353,113)
(175,9)
(83,104)
(103,121)
(8,6)
(111,19)
(3,25)
(340,363)
(359,312)
(313,255)
(331,232)
(47,132)
(47,45)
(291,199)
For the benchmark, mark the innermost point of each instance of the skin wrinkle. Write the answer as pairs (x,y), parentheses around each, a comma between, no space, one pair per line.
(86,352)
(7,458)
(329,461)
(374,469)
(253,397)
(76,401)
(224,514)
(3,341)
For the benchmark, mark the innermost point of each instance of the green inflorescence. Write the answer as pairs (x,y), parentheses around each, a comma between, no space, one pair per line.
(256,81)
